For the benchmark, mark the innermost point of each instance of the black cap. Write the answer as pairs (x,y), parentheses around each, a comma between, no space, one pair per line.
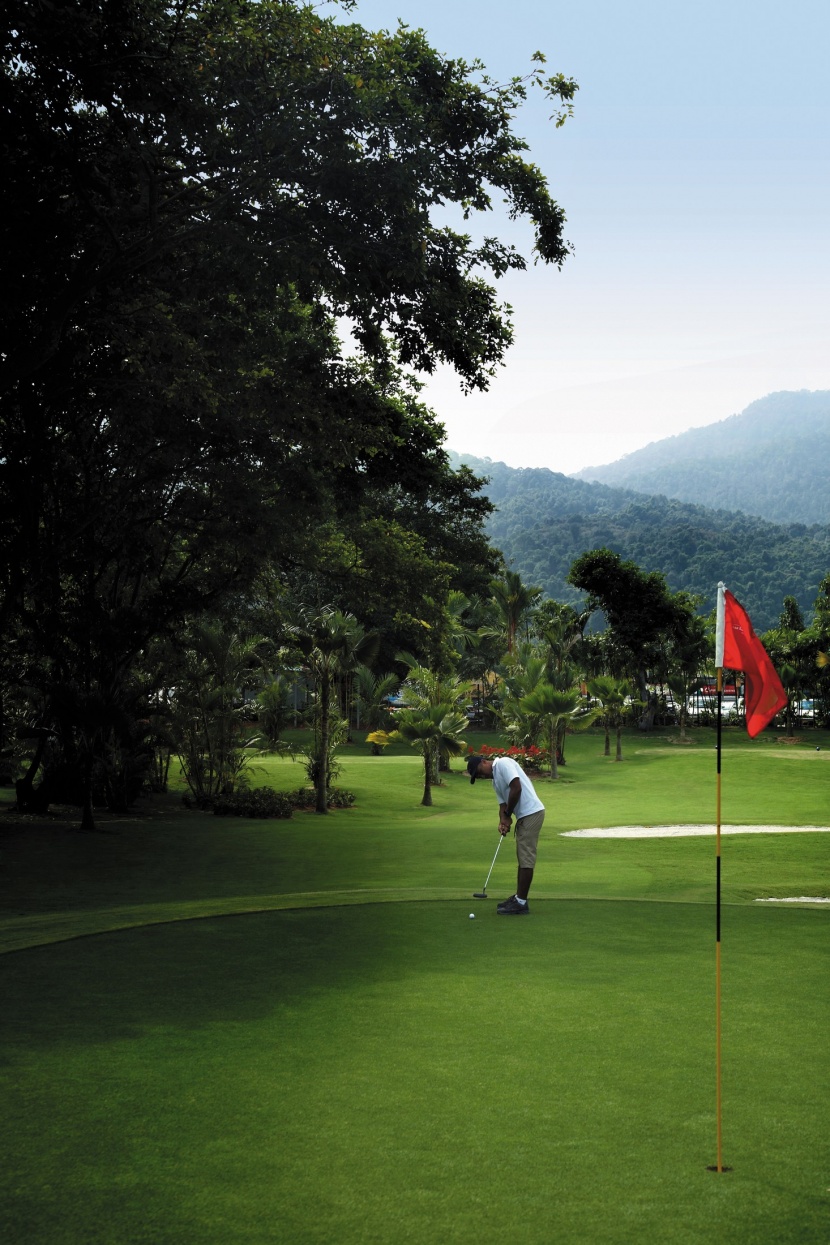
(472,767)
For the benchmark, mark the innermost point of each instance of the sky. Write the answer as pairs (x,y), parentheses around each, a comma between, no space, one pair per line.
(695,176)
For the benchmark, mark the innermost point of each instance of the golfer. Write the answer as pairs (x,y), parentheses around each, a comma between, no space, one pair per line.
(515,794)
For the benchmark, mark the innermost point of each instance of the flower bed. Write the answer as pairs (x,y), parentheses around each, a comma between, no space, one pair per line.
(530,758)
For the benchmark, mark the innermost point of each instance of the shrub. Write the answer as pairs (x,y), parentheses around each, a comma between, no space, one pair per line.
(311,755)
(261,802)
(336,797)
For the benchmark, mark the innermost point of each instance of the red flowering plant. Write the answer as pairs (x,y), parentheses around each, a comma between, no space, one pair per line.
(529,757)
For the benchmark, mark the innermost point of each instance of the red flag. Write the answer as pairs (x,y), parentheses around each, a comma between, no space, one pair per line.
(742,650)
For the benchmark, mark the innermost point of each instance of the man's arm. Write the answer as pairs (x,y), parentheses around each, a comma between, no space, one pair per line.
(514,794)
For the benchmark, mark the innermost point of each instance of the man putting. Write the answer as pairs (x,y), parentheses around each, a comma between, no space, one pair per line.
(515,794)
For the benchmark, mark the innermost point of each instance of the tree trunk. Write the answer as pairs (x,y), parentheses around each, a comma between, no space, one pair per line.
(427,777)
(27,799)
(347,706)
(650,700)
(87,816)
(322,760)
(554,770)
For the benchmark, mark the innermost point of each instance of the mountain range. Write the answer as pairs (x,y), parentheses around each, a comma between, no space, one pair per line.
(773,460)
(544,520)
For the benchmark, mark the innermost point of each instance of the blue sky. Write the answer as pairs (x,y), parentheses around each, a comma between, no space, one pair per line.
(695,176)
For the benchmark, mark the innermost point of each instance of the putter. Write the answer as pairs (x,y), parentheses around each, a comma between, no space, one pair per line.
(482,894)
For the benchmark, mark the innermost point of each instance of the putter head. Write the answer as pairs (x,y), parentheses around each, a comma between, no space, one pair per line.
(479,894)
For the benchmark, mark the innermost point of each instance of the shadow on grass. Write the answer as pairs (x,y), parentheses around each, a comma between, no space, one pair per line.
(211,1081)
(243,967)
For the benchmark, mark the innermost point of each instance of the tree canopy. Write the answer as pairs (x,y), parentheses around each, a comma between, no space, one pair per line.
(194,195)
(199,199)
(649,628)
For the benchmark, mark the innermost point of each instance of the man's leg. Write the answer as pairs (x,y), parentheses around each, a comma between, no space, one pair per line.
(527,835)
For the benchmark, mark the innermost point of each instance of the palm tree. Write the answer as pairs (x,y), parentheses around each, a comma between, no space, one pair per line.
(792,681)
(514,600)
(424,689)
(792,649)
(274,705)
(332,642)
(520,675)
(359,649)
(556,710)
(432,730)
(612,693)
(209,714)
(372,693)
(561,636)
(463,635)
(682,687)
(688,657)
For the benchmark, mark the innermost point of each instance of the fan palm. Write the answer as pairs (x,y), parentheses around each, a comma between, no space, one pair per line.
(371,699)
(332,643)
(612,693)
(556,711)
(432,730)
(424,689)
(209,714)
(514,600)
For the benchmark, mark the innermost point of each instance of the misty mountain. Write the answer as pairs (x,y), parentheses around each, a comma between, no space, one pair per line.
(544,520)
(772,460)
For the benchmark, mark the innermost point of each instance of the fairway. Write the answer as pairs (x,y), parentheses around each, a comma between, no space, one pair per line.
(358,1061)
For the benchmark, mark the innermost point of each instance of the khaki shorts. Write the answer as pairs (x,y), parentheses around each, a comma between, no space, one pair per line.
(527,836)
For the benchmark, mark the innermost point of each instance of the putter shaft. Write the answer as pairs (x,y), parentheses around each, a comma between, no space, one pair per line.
(483,893)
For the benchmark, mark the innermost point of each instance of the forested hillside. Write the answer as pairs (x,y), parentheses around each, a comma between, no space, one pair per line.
(771,460)
(544,520)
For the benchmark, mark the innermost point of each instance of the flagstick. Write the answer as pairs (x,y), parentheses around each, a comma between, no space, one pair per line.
(719,650)
(764,695)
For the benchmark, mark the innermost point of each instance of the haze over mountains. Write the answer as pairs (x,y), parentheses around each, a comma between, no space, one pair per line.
(773,460)
(696,517)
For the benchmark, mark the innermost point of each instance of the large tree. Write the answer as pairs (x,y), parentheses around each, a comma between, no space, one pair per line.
(192,191)
(645,621)
(297,149)
(196,194)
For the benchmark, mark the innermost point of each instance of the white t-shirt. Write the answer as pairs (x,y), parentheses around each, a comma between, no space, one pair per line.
(504,771)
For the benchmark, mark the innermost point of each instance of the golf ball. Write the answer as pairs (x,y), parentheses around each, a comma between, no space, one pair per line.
(472,916)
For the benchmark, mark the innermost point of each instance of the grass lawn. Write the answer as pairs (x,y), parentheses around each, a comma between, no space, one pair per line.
(336,1053)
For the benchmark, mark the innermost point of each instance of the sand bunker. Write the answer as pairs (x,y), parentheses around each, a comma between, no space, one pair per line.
(678,832)
(796,899)
(682,832)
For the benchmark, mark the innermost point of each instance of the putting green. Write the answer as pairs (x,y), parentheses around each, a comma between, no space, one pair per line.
(397,1072)
(292,1032)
